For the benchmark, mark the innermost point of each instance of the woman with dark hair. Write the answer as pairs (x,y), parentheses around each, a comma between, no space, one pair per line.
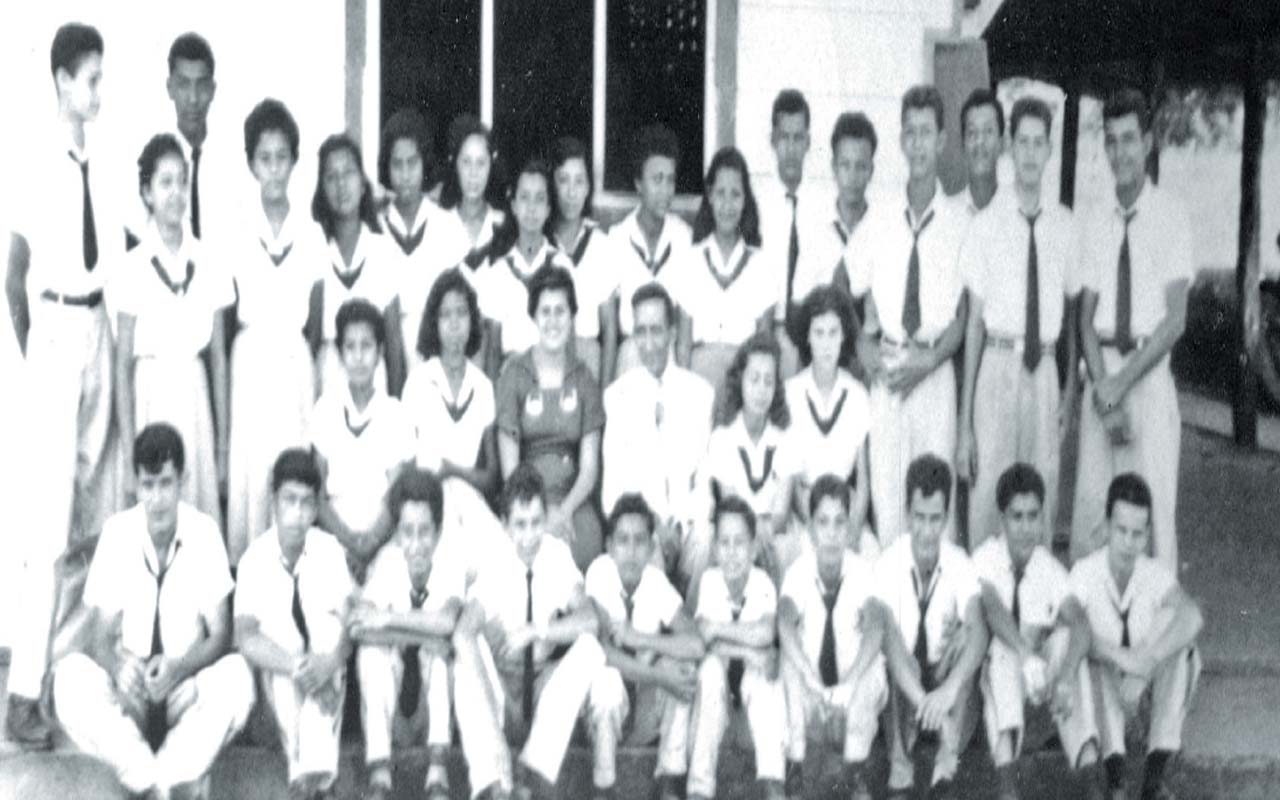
(468,188)
(272,257)
(830,410)
(721,284)
(428,244)
(448,398)
(749,454)
(550,414)
(362,263)
(168,298)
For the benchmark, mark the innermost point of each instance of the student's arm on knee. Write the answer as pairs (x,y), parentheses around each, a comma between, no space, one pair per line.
(872,626)
(579,620)
(204,652)
(1071,615)
(790,645)
(1000,622)
(15,288)
(260,651)
(901,664)
(1184,623)
(124,397)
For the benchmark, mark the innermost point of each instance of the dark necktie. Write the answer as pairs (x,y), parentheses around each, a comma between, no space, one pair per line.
(411,682)
(156,724)
(827,655)
(737,668)
(629,603)
(89,231)
(911,299)
(1124,292)
(793,251)
(526,677)
(1018,574)
(299,619)
(1124,627)
(1031,339)
(195,191)
(921,651)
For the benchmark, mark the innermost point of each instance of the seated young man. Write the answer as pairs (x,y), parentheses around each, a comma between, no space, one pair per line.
(737,606)
(403,623)
(831,637)
(158,694)
(937,640)
(525,651)
(1144,628)
(652,649)
(361,436)
(292,589)
(1039,637)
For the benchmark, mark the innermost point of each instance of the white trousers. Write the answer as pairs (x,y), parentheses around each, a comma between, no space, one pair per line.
(765,704)
(1156,427)
(1004,696)
(901,431)
(693,560)
(1171,688)
(71,476)
(861,714)
(657,715)
(310,734)
(1015,418)
(87,707)
(381,671)
(903,732)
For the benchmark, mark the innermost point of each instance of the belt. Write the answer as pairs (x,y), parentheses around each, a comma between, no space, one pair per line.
(889,340)
(90,300)
(1016,344)
(1135,342)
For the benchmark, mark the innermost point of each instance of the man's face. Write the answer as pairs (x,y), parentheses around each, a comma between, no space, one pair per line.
(404,168)
(295,505)
(81,88)
(735,547)
(630,547)
(928,521)
(830,531)
(982,141)
(657,185)
(922,142)
(790,140)
(652,335)
(1127,150)
(1031,148)
(526,524)
(158,494)
(853,164)
(416,535)
(360,354)
(1130,529)
(1023,526)
(191,88)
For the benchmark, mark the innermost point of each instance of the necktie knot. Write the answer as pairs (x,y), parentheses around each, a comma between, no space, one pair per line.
(1128,217)
(1031,219)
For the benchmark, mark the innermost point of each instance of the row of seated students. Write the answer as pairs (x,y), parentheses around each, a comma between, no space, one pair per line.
(491,628)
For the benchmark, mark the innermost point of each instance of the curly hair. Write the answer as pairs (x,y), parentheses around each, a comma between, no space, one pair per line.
(451,280)
(824,299)
(731,396)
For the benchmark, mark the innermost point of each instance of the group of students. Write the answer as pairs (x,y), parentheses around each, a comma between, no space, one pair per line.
(778,391)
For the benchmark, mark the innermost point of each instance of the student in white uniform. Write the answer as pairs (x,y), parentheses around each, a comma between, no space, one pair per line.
(1136,267)
(292,590)
(448,399)
(158,694)
(648,240)
(830,411)
(903,262)
(1039,638)
(853,153)
(831,638)
(1018,264)
(1144,627)
(272,256)
(657,425)
(168,298)
(750,455)
(361,262)
(725,291)
(67,239)
(403,622)
(938,638)
(423,232)
(652,649)
(526,652)
(577,234)
(469,190)
(982,135)
(736,612)
(361,438)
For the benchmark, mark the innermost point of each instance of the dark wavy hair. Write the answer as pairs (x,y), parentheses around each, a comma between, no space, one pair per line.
(505,237)
(1019,478)
(295,465)
(269,115)
(154,446)
(357,310)
(191,46)
(824,299)
(704,224)
(563,150)
(462,128)
(630,503)
(549,278)
(929,474)
(415,485)
(451,280)
(734,506)
(731,398)
(407,123)
(320,210)
(1128,487)
(160,145)
(72,44)
(653,140)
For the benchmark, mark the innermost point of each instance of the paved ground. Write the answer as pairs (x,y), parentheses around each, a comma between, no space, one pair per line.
(1230,541)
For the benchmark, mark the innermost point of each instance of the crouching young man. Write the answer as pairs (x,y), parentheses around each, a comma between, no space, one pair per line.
(831,635)
(1039,637)
(525,651)
(292,590)
(652,651)
(737,607)
(159,694)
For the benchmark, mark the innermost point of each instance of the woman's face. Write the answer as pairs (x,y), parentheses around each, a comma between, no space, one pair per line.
(826,337)
(473,166)
(758,384)
(166,193)
(728,198)
(343,183)
(455,324)
(572,187)
(531,204)
(553,318)
(404,169)
(272,165)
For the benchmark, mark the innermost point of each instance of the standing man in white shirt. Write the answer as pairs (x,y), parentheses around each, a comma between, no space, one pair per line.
(853,154)
(191,87)
(159,694)
(1019,265)
(903,262)
(658,425)
(1135,271)
(982,133)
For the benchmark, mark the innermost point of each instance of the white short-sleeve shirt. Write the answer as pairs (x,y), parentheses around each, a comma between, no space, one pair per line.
(953,584)
(264,590)
(775,236)
(1092,584)
(828,432)
(804,589)
(122,579)
(389,586)
(725,297)
(636,266)
(715,603)
(503,287)
(826,244)
(1043,587)
(477,254)
(754,471)
(501,588)
(373,274)
(274,274)
(655,603)
(594,277)
(447,426)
